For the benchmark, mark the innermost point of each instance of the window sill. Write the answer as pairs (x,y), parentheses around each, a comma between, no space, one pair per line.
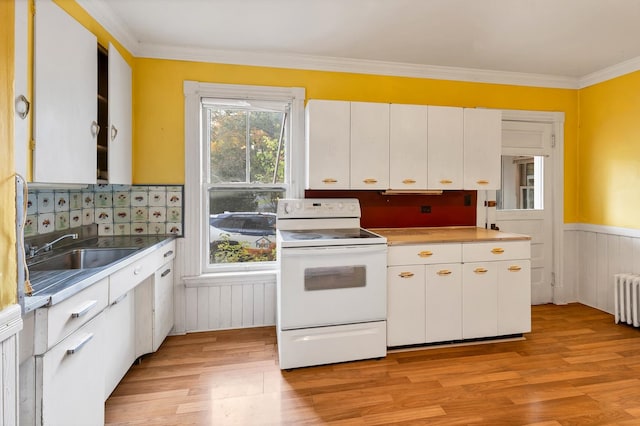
(226,278)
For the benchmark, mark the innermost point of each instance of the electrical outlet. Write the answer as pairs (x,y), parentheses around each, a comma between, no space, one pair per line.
(467,200)
(425,209)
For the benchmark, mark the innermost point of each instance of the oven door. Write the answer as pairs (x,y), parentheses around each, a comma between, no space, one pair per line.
(320,286)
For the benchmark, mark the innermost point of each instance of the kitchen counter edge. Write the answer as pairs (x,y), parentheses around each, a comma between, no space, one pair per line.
(437,235)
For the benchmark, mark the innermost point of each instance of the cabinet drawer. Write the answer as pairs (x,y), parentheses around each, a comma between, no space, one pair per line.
(424,254)
(62,319)
(496,250)
(122,281)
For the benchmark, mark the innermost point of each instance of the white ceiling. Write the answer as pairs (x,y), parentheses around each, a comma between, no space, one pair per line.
(564,43)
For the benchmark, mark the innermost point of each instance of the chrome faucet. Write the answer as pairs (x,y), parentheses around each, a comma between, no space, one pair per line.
(35,250)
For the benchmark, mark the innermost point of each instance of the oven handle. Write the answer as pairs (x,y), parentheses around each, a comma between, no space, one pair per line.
(335,250)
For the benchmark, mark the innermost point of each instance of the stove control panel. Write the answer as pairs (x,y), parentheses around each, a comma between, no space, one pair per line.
(313,208)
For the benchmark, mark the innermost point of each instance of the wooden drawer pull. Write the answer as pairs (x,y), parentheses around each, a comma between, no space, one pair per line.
(329,180)
(446,181)
(370,181)
(405,274)
(480,270)
(497,250)
(408,181)
(514,268)
(444,272)
(425,253)
(482,182)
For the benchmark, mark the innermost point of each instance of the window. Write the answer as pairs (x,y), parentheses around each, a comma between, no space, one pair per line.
(522,183)
(244,151)
(247,145)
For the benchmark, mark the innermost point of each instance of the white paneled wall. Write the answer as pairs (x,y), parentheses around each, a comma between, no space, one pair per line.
(593,255)
(10,326)
(222,305)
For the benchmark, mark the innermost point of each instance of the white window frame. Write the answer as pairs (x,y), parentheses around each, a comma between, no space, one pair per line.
(196,229)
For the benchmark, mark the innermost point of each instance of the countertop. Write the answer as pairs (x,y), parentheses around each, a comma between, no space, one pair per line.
(446,234)
(51,287)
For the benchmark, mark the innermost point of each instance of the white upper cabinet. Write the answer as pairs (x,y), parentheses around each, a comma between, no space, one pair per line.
(328,132)
(119,131)
(482,147)
(365,145)
(408,147)
(369,145)
(65,107)
(445,156)
(21,87)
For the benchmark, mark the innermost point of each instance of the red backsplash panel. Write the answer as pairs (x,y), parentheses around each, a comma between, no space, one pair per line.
(452,208)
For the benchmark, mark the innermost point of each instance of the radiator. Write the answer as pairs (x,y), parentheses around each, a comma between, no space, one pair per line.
(627,301)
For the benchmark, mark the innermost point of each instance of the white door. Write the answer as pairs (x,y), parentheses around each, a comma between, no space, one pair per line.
(369,145)
(525,201)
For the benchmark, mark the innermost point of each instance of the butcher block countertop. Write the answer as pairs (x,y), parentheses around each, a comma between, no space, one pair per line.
(448,234)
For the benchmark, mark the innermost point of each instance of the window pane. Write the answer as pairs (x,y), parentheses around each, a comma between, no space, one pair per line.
(246,145)
(267,147)
(242,224)
(522,183)
(228,145)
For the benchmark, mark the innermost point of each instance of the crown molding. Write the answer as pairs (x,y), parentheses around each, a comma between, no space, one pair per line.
(357,66)
(609,73)
(101,12)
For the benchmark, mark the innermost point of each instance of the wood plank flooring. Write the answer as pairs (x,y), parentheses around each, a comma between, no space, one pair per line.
(576,367)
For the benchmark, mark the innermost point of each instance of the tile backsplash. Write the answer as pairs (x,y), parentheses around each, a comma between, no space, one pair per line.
(116,209)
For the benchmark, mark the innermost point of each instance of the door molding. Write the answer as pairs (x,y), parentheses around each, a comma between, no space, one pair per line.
(556,119)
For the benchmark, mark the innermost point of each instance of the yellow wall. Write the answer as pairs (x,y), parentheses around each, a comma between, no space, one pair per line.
(159,106)
(609,153)
(8,277)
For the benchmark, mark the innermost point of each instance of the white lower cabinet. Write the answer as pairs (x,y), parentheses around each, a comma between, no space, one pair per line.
(154,310)
(443,309)
(83,346)
(405,305)
(120,340)
(457,291)
(70,390)
(514,297)
(479,300)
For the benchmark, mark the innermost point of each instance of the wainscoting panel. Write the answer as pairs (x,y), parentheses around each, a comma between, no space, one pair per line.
(593,255)
(219,306)
(10,326)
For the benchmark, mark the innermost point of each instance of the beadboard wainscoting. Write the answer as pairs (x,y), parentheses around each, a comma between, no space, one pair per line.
(593,255)
(10,326)
(224,302)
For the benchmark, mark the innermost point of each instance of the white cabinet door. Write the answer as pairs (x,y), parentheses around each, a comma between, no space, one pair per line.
(408,147)
(479,300)
(405,305)
(163,304)
(65,98)
(514,297)
(369,145)
(482,148)
(120,340)
(443,302)
(21,87)
(328,130)
(445,147)
(119,131)
(72,387)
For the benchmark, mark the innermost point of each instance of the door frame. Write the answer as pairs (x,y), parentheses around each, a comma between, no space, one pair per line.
(556,119)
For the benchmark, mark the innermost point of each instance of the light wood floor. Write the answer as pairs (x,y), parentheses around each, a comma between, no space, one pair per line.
(576,368)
